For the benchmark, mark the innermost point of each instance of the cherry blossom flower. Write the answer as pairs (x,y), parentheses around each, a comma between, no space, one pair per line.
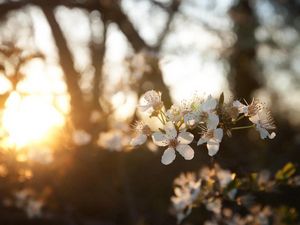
(34,208)
(174,113)
(191,119)
(174,141)
(142,132)
(81,137)
(209,105)
(186,192)
(207,112)
(113,140)
(152,101)
(264,122)
(213,138)
(42,155)
(248,110)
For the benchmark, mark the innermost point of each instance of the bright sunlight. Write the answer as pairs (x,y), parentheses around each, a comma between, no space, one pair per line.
(29,119)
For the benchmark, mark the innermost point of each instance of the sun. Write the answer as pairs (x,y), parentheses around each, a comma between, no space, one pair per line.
(29,119)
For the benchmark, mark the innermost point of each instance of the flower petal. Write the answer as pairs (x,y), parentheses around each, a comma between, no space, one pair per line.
(185,137)
(237,104)
(240,106)
(209,105)
(144,108)
(138,140)
(254,119)
(186,151)
(168,156)
(213,147)
(171,132)
(160,139)
(262,132)
(202,141)
(218,134)
(212,121)
(190,119)
(272,135)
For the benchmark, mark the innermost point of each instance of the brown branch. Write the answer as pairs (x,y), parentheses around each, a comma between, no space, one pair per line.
(172,10)
(67,64)
(112,11)
(98,53)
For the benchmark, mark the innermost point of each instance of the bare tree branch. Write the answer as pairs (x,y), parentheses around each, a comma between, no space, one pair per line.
(67,64)
(172,10)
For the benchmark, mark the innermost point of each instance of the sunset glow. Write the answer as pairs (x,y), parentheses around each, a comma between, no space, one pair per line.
(29,119)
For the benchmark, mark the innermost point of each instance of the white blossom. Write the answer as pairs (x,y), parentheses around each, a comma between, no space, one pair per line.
(152,101)
(209,105)
(191,119)
(248,110)
(224,177)
(263,122)
(142,132)
(112,140)
(212,136)
(186,192)
(174,141)
(42,155)
(34,208)
(81,137)
(214,205)
(174,114)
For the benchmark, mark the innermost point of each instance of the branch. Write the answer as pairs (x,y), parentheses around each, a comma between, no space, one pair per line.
(173,9)
(67,64)
(112,12)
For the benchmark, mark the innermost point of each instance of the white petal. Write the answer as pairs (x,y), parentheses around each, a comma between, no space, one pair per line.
(190,119)
(241,107)
(213,147)
(160,139)
(171,132)
(144,108)
(186,151)
(202,141)
(138,140)
(168,156)
(218,134)
(212,121)
(272,135)
(254,119)
(262,132)
(185,138)
(209,105)
(237,104)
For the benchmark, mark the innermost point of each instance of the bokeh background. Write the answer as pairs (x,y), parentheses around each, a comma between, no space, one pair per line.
(72,73)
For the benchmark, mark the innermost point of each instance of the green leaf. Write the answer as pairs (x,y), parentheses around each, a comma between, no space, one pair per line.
(221,99)
(286,172)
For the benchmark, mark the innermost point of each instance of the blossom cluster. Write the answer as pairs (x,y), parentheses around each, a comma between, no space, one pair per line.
(225,195)
(27,200)
(210,117)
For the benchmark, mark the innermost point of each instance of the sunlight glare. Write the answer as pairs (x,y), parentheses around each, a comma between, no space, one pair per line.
(29,119)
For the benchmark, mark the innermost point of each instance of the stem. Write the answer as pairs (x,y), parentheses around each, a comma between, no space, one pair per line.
(241,117)
(161,120)
(180,124)
(163,115)
(245,127)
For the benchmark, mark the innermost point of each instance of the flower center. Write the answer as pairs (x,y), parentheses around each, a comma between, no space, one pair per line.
(209,134)
(173,143)
(146,130)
